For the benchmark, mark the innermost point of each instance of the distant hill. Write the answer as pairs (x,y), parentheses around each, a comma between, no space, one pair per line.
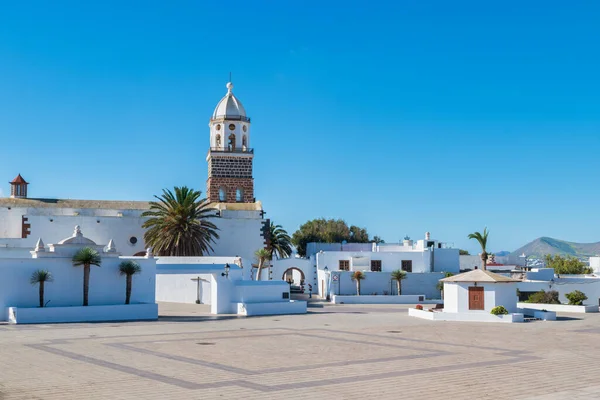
(503,253)
(545,245)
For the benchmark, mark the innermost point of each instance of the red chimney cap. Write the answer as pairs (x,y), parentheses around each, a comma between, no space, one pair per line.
(18,179)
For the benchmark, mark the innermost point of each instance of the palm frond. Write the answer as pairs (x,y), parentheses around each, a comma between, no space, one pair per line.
(398,275)
(41,275)
(280,243)
(87,256)
(129,267)
(178,224)
(481,238)
(358,276)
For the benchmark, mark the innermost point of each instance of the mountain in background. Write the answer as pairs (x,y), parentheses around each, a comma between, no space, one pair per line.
(545,245)
(503,253)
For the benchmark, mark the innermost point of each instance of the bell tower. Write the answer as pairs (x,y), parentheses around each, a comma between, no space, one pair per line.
(230,155)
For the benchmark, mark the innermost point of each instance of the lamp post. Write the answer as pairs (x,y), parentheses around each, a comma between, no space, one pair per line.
(226,273)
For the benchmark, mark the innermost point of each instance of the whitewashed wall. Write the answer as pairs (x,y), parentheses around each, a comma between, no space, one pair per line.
(380,283)
(240,233)
(180,288)
(456,296)
(305,265)
(107,287)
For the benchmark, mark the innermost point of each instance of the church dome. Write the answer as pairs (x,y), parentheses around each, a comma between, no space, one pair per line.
(230,107)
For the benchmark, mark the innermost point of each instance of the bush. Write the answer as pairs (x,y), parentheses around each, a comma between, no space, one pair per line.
(542,297)
(499,310)
(576,298)
(419,307)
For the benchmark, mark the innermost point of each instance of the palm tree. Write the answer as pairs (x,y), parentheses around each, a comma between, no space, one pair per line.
(262,256)
(397,276)
(41,276)
(440,285)
(86,257)
(129,268)
(482,239)
(179,225)
(358,276)
(280,243)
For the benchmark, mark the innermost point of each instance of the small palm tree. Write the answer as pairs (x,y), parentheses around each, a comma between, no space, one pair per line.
(440,285)
(397,276)
(40,277)
(280,243)
(178,224)
(482,239)
(86,257)
(129,268)
(262,256)
(358,276)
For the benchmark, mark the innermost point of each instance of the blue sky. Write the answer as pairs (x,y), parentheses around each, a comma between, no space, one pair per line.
(402,117)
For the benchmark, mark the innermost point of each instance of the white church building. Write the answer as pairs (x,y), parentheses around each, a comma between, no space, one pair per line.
(230,188)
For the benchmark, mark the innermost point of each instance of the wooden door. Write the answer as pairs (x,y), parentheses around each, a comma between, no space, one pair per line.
(476,298)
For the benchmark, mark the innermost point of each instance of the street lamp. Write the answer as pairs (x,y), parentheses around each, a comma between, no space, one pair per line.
(226,273)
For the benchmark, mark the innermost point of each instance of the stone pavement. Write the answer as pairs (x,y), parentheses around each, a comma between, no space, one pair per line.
(341,352)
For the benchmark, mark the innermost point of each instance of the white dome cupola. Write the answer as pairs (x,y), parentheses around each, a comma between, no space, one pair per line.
(229,125)
(230,107)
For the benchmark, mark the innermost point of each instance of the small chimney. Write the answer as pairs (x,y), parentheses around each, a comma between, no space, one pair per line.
(427,235)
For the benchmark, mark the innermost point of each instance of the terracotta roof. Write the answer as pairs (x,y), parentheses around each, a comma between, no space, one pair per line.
(68,203)
(479,275)
(18,179)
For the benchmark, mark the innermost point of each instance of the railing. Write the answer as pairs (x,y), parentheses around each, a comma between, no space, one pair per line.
(230,118)
(230,150)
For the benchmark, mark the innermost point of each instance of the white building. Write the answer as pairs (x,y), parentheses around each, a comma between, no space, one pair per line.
(425,261)
(230,187)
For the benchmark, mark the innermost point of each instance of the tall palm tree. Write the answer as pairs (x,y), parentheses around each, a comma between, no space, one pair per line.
(129,268)
(398,275)
(179,225)
(262,256)
(358,276)
(482,239)
(280,243)
(86,257)
(40,277)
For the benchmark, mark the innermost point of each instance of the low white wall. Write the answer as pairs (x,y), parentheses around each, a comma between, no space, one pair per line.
(107,286)
(271,308)
(481,316)
(45,315)
(566,284)
(180,288)
(380,283)
(558,307)
(260,291)
(402,299)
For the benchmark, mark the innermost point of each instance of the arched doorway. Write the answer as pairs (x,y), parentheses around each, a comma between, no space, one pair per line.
(295,274)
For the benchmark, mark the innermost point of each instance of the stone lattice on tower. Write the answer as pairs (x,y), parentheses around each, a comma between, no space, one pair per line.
(230,156)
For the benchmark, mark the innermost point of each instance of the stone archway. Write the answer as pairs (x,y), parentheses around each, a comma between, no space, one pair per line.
(289,272)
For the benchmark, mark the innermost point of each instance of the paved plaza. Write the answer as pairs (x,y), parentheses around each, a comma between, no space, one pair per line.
(340,352)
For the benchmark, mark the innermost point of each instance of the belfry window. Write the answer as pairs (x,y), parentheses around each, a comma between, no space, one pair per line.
(231,142)
(239,195)
(218,141)
(222,194)
(244,143)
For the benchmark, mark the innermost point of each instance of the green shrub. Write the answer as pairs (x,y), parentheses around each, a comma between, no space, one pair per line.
(576,298)
(542,297)
(499,310)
